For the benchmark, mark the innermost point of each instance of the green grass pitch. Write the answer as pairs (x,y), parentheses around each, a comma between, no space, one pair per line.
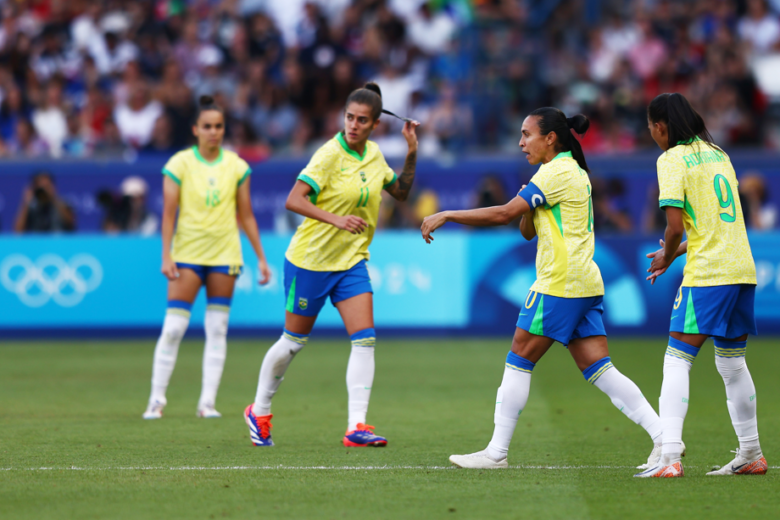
(75,408)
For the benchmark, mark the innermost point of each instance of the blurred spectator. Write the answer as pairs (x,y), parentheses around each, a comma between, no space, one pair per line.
(162,137)
(653,217)
(25,142)
(450,121)
(759,27)
(490,192)
(41,209)
(49,120)
(110,143)
(431,32)
(760,214)
(126,211)
(610,211)
(136,118)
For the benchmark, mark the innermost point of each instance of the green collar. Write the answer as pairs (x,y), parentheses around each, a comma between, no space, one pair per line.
(199,157)
(350,151)
(561,155)
(689,141)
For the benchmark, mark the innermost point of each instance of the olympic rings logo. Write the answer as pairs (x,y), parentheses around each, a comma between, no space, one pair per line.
(51,278)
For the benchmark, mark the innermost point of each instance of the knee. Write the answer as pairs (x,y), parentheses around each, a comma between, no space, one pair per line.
(174,332)
(216,324)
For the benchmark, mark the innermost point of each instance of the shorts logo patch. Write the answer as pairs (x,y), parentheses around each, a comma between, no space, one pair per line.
(303,303)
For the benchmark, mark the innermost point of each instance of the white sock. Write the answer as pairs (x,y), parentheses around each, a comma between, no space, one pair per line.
(511,398)
(673,403)
(625,395)
(275,364)
(214,353)
(360,376)
(740,392)
(174,327)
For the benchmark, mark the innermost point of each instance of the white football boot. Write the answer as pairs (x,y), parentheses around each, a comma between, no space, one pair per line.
(155,409)
(745,463)
(655,456)
(478,460)
(207,411)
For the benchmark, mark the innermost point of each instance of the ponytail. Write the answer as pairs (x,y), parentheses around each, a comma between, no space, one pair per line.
(683,123)
(553,120)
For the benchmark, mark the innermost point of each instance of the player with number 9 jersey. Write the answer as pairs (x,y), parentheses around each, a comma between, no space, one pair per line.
(698,192)
(339,193)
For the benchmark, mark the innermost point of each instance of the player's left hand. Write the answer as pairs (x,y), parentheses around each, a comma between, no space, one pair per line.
(430,224)
(658,265)
(265,272)
(410,133)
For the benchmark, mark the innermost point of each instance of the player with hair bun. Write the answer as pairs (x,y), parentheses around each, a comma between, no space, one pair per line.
(339,193)
(565,304)
(698,190)
(207,185)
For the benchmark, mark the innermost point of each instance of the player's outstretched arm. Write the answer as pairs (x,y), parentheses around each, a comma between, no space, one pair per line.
(170,207)
(298,201)
(671,246)
(247,218)
(399,190)
(492,216)
(527,228)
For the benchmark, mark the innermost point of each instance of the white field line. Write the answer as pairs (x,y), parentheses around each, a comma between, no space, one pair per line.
(307,468)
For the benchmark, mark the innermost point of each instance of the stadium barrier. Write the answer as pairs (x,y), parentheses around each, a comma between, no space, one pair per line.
(464,283)
(455,182)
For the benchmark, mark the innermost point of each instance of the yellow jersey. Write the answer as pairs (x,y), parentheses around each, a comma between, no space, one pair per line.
(560,194)
(207,230)
(343,183)
(700,179)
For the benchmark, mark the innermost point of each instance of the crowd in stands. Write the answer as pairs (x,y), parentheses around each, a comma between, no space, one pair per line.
(112,77)
(118,78)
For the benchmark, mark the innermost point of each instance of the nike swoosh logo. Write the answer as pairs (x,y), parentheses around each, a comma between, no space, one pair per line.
(735,469)
(521,314)
(673,317)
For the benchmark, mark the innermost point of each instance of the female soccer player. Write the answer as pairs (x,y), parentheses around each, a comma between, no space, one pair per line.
(698,191)
(206,184)
(565,303)
(339,194)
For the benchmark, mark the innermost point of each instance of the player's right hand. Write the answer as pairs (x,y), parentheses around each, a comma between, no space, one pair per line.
(659,272)
(351,223)
(169,269)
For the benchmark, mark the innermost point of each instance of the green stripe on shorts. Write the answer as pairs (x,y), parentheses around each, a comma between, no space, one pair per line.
(291,296)
(537,327)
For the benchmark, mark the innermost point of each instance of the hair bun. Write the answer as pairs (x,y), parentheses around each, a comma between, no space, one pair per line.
(205,101)
(373,87)
(578,123)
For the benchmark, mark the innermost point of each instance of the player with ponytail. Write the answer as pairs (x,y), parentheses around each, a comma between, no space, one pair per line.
(565,304)
(339,193)
(208,186)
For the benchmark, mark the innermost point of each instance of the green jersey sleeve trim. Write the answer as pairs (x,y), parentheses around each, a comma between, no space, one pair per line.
(395,178)
(173,177)
(314,186)
(246,174)
(670,202)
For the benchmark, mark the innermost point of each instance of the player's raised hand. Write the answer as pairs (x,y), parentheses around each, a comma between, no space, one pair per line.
(265,272)
(351,223)
(410,133)
(430,224)
(169,269)
(657,272)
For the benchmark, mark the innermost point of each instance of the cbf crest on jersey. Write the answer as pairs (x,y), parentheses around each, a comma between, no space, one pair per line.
(363,176)
(212,181)
(303,303)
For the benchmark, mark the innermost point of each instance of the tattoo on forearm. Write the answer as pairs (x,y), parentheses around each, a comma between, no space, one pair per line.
(407,175)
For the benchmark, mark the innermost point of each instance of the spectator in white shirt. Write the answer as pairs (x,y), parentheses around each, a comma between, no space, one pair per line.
(759,27)
(49,120)
(136,118)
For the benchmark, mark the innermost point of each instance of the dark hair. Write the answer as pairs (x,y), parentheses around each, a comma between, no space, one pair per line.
(369,95)
(683,123)
(553,120)
(206,103)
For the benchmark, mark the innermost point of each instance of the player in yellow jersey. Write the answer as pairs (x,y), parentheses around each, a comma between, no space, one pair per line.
(698,190)
(565,304)
(208,186)
(339,193)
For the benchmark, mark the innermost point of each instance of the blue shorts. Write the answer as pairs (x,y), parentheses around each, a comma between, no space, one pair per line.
(562,319)
(723,311)
(204,270)
(307,290)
